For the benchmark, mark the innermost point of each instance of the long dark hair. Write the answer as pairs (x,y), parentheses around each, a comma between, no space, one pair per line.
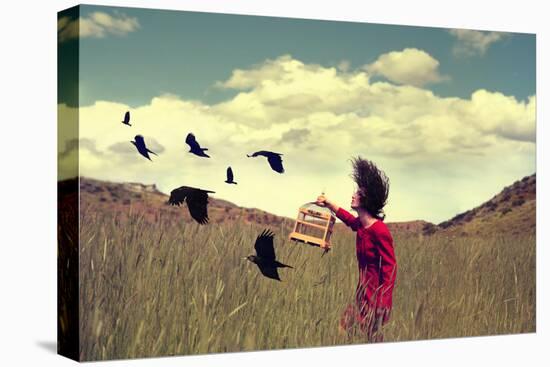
(373,185)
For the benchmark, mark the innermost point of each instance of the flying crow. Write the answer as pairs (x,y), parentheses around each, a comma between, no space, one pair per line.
(142,149)
(126,120)
(195,147)
(265,256)
(274,159)
(230,176)
(197,201)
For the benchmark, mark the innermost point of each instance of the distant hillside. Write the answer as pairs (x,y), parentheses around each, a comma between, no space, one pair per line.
(511,211)
(122,197)
(410,227)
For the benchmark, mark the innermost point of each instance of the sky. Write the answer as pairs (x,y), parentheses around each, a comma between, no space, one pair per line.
(447,114)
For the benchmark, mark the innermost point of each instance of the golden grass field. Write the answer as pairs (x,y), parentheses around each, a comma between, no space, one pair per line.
(171,288)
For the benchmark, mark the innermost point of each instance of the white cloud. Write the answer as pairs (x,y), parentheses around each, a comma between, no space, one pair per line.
(97,25)
(472,42)
(410,66)
(285,88)
(318,117)
(504,116)
(66,29)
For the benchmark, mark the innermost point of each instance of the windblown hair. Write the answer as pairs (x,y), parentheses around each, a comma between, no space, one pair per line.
(373,185)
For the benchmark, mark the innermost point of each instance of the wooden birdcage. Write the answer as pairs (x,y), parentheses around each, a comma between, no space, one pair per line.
(313,226)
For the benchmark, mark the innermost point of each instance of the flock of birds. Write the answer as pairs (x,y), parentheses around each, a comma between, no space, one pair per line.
(197,200)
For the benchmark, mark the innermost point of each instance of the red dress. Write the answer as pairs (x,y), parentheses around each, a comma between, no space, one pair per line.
(377,272)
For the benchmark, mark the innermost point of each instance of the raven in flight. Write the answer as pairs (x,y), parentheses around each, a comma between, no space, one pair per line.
(265,256)
(274,159)
(230,176)
(140,145)
(195,147)
(197,201)
(126,120)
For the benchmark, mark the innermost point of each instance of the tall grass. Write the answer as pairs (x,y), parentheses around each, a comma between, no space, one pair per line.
(166,288)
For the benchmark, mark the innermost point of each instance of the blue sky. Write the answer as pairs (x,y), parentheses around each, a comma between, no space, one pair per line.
(185,53)
(448,114)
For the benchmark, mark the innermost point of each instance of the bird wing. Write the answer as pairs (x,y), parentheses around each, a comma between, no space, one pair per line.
(276,162)
(229,174)
(196,199)
(264,245)
(139,140)
(190,139)
(197,202)
(127,116)
(270,272)
(177,196)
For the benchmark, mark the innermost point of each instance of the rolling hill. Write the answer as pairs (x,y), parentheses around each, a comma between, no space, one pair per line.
(509,212)
(122,198)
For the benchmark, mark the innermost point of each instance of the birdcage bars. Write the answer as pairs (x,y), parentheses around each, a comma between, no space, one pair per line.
(313,226)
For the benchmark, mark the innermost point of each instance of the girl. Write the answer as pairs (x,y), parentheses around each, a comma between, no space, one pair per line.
(374,249)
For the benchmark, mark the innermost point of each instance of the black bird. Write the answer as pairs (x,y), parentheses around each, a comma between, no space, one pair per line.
(195,147)
(140,145)
(230,176)
(265,256)
(126,120)
(274,159)
(197,201)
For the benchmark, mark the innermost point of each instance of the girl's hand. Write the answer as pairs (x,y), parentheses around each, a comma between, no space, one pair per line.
(322,201)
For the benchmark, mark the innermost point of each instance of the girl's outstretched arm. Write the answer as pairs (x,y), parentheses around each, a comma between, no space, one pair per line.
(348,219)
(323,201)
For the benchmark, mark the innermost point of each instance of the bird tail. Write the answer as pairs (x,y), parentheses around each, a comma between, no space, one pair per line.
(152,152)
(281,265)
